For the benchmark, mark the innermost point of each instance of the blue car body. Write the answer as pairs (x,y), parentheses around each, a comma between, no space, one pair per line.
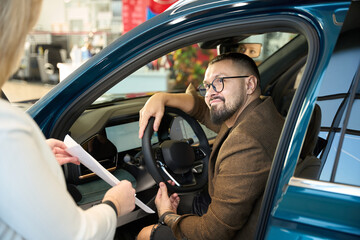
(290,211)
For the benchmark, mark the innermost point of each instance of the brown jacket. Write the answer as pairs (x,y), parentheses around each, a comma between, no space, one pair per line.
(238,169)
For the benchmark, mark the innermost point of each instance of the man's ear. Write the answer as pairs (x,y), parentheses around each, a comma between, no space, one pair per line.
(251,84)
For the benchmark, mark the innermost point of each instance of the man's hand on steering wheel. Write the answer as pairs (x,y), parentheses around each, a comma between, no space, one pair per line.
(154,107)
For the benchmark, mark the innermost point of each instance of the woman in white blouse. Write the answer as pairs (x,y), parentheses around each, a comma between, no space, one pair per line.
(34,202)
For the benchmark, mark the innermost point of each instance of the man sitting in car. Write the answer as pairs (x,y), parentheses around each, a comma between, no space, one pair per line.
(248,130)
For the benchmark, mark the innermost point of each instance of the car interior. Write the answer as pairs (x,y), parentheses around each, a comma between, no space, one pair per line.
(108,129)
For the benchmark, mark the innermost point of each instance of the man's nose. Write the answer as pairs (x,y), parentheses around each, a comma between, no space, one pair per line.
(210,92)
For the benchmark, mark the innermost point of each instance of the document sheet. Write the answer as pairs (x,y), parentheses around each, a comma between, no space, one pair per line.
(85,158)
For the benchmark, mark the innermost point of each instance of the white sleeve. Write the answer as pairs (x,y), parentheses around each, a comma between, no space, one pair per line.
(34,200)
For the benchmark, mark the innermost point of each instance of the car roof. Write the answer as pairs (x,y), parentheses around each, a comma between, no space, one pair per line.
(195,5)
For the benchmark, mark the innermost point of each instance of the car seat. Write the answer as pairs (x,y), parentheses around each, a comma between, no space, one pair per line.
(308,165)
(282,91)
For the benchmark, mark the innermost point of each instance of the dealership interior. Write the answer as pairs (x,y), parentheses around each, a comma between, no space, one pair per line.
(67,33)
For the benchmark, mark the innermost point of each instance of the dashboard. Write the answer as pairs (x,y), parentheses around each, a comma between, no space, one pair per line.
(125,136)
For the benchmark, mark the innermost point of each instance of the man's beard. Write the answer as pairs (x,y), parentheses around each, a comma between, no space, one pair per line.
(223,113)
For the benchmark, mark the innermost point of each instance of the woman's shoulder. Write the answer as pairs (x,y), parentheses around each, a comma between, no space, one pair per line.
(13,118)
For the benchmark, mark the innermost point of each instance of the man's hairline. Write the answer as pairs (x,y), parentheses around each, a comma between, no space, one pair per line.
(234,62)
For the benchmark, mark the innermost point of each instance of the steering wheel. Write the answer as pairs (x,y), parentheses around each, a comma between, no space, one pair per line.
(178,160)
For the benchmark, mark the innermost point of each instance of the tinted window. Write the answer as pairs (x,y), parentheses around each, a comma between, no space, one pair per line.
(340,107)
(342,163)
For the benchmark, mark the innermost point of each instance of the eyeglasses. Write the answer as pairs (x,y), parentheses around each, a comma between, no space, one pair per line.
(217,84)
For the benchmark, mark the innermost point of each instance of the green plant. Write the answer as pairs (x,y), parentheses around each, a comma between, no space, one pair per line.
(190,64)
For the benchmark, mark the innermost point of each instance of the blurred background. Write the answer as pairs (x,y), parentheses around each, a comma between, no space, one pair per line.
(68,33)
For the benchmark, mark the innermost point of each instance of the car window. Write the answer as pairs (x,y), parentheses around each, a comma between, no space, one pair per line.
(342,163)
(338,100)
(174,71)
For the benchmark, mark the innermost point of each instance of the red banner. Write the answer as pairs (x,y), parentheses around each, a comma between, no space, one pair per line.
(133,13)
(158,6)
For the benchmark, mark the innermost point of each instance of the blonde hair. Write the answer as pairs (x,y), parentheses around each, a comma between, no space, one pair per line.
(17,18)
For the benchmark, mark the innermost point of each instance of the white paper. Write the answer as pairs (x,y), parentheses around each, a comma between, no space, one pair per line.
(85,158)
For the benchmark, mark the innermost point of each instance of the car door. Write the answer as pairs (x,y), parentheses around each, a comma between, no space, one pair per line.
(328,205)
(185,25)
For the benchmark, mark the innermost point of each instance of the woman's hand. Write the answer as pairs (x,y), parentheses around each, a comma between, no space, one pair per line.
(123,196)
(58,148)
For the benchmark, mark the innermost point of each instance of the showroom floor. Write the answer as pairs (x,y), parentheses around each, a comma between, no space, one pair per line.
(19,90)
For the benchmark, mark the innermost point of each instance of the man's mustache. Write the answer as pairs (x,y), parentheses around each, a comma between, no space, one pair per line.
(217,97)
